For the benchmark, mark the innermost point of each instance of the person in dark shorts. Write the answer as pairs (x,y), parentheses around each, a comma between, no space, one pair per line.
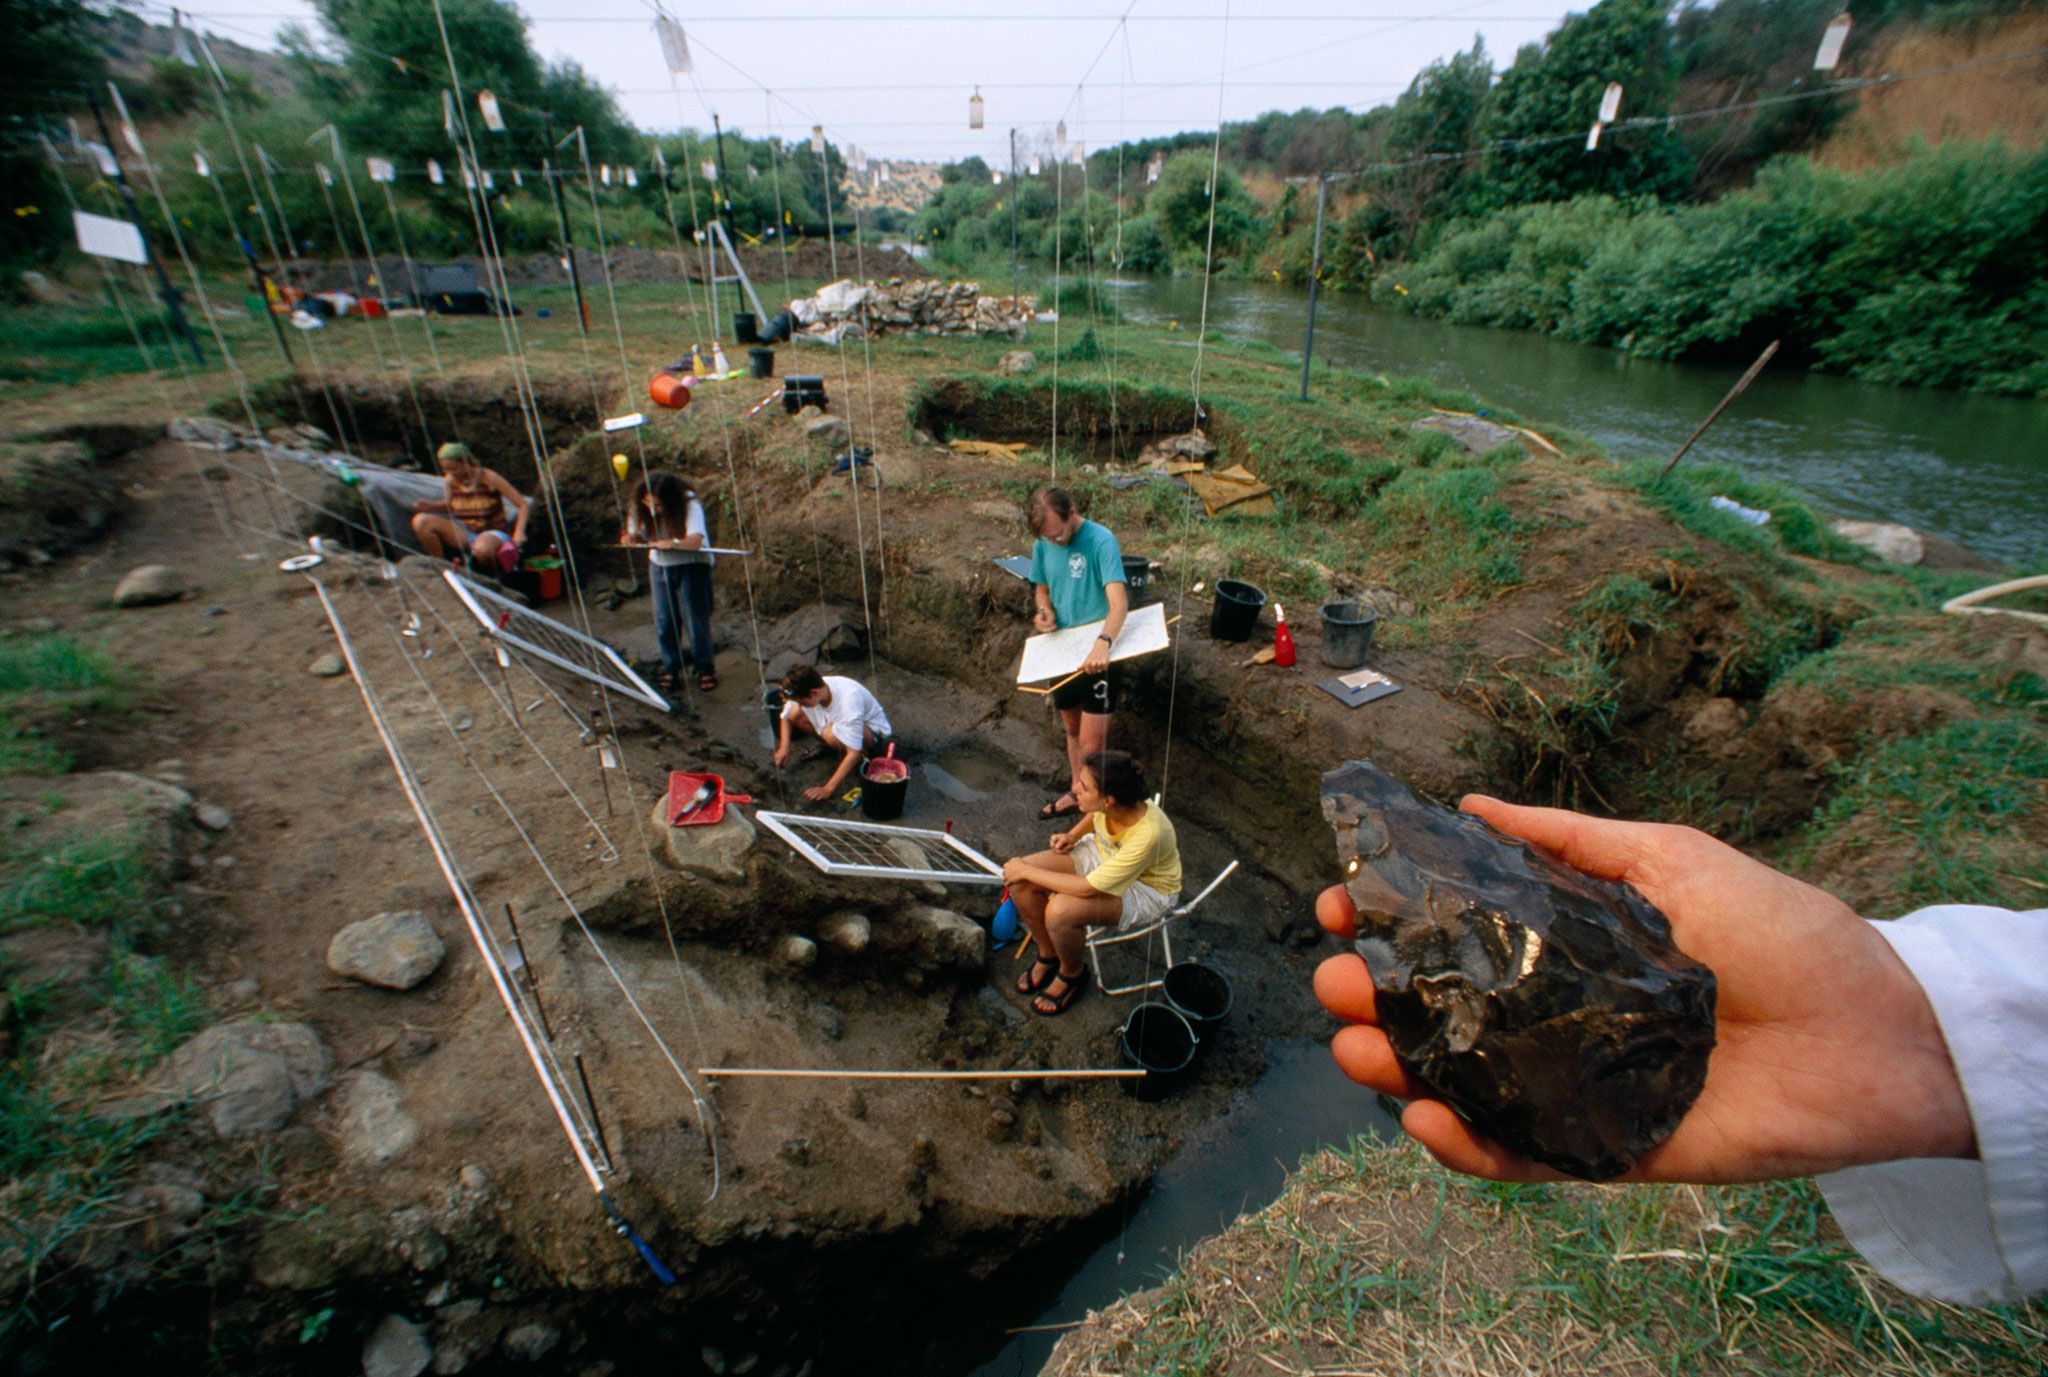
(1077,576)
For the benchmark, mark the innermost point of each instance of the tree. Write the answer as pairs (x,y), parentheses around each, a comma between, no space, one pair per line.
(1179,204)
(49,39)
(1434,120)
(1551,97)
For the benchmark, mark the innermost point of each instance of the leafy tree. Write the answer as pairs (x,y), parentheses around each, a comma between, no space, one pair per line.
(1552,94)
(1180,205)
(49,39)
(1434,119)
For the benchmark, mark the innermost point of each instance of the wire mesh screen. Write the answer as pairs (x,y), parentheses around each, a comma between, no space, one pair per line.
(882,852)
(546,639)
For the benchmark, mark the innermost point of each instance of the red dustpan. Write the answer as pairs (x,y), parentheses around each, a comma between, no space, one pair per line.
(683,788)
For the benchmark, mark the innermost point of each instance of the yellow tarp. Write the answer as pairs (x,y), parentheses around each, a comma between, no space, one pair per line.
(1235,489)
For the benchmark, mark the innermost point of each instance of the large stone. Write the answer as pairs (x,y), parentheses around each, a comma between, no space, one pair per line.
(43,292)
(829,429)
(532,1341)
(1474,434)
(396,1348)
(327,666)
(1016,362)
(796,951)
(205,430)
(939,939)
(370,1118)
(716,851)
(148,586)
(396,950)
(1551,1009)
(847,932)
(1888,540)
(247,1075)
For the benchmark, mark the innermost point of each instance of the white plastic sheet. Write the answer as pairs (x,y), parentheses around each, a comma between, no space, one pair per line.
(102,236)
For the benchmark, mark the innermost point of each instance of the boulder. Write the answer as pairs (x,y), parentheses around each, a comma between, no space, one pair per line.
(847,932)
(935,938)
(829,429)
(1474,434)
(531,1342)
(39,289)
(247,1075)
(714,852)
(205,430)
(464,1332)
(148,586)
(1016,362)
(796,952)
(212,817)
(328,666)
(373,1124)
(1889,541)
(396,1348)
(396,950)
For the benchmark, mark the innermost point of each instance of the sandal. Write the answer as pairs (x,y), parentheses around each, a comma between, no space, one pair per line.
(812,753)
(1065,806)
(707,681)
(1038,977)
(1050,1005)
(665,682)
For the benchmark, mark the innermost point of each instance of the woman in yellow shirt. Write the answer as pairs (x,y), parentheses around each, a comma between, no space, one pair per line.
(1118,865)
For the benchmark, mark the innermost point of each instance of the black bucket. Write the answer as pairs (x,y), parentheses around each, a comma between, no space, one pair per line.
(1137,573)
(1159,1041)
(1200,994)
(760,362)
(1347,633)
(802,390)
(881,800)
(746,329)
(1236,613)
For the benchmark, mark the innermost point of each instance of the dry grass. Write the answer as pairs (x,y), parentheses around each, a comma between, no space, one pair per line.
(1377,1261)
(2007,101)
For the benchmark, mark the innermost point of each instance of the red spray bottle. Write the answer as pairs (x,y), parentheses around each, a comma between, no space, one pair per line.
(1283,639)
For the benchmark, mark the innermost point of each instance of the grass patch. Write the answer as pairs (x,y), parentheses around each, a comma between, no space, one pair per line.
(95,880)
(45,677)
(58,347)
(1686,494)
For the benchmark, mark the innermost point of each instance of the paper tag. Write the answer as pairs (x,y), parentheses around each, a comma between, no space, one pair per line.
(610,761)
(494,118)
(630,422)
(382,169)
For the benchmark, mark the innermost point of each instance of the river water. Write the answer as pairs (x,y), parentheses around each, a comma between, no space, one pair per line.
(1971,468)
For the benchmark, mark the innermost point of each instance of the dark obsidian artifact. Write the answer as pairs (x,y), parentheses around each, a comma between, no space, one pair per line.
(1549,1008)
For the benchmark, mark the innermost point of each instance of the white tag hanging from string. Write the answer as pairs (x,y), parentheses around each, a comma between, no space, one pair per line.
(1034,165)
(974,109)
(709,169)
(995,179)
(200,165)
(434,173)
(607,757)
(1593,136)
(468,177)
(128,134)
(326,177)
(181,42)
(448,113)
(489,183)
(494,118)
(382,169)
(604,173)
(1610,103)
(818,139)
(675,48)
(632,177)
(504,660)
(517,180)
(1059,137)
(1831,42)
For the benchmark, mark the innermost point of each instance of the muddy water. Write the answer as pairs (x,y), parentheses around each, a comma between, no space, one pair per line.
(1971,468)
(1301,1103)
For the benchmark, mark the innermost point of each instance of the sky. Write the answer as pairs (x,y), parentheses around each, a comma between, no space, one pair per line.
(894,76)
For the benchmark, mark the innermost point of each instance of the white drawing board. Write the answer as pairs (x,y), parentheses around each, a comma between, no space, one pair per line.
(1058,653)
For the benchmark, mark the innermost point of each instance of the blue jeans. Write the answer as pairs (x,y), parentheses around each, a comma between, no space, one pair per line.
(682,598)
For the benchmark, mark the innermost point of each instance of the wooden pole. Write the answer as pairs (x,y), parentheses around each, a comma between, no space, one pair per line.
(1022,1074)
(1315,273)
(1736,391)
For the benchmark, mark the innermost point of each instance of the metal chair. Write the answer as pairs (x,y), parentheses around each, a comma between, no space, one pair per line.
(1162,925)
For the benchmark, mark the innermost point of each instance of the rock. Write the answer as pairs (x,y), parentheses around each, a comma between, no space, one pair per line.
(205,430)
(396,950)
(847,932)
(796,952)
(247,1074)
(162,1211)
(1016,362)
(1715,723)
(464,1332)
(940,938)
(1387,603)
(424,1249)
(1195,447)
(717,851)
(1474,434)
(531,1342)
(396,1348)
(373,1125)
(1889,541)
(212,817)
(808,413)
(829,429)
(148,586)
(327,666)
(795,1151)
(475,1179)
(43,292)
(1549,1008)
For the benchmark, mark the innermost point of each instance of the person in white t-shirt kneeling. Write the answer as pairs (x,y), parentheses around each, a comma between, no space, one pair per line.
(841,713)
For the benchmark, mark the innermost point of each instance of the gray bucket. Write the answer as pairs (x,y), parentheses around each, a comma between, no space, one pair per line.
(1159,1041)
(1347,633)
(1199,994)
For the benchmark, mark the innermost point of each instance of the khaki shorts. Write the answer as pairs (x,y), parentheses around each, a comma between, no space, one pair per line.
(1142,903)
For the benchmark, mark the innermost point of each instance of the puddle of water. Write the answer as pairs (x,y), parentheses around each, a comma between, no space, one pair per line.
(966,776)
(1302,1102)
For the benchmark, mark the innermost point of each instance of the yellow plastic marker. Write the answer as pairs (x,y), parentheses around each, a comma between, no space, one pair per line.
(620,463)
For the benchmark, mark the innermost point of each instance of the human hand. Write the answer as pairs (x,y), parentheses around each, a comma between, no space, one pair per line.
(1044,620)
(781,755)
(1098,658)
(1015,872)
(1827,1055)
(818,793)
(1062,843)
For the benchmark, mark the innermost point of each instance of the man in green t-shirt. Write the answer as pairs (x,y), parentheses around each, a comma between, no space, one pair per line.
(1077,576)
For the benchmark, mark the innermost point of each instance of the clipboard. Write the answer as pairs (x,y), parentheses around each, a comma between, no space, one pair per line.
(1054,654)
(1359,687)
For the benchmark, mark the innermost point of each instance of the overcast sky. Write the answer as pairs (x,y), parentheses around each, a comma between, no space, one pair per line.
(894,76)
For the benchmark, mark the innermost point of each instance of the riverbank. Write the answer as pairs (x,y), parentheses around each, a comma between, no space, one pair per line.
(1560,628)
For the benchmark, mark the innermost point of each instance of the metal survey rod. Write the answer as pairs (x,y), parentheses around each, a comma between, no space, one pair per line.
(548,175)
(1315,274)
(164,288)
(1712,416)
(724,198)
(1013,219)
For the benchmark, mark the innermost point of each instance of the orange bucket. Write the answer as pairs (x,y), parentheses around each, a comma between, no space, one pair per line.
(670,391)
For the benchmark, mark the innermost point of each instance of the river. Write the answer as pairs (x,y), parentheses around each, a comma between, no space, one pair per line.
(1971,468)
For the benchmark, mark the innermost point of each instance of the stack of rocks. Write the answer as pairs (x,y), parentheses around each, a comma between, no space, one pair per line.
(849,309)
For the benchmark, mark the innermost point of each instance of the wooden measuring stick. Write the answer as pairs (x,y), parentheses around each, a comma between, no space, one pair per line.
(1021,1074)
(1055,688)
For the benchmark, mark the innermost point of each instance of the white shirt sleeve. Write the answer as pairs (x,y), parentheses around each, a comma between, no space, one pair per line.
(1971,1232)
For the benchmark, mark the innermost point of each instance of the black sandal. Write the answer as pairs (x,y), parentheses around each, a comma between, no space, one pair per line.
(1031,982)
(812,753)
(1058,1002)
(1054,810)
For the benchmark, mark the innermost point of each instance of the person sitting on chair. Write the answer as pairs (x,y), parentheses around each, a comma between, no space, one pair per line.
(470,517)
(837,710)
(1118,866)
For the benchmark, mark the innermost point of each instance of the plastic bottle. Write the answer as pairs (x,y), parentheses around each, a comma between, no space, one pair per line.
(1283,639)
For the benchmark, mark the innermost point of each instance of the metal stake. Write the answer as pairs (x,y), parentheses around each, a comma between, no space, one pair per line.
(596,1121)
(1736,391)
(526,973)
(1315,274)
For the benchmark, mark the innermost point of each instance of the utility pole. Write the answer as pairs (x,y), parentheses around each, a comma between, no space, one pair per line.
(1014,192)
(1315,275)
(548,175)
(164,288)
(739,302)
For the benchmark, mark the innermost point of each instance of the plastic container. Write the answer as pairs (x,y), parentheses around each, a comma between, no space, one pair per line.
(760,363)
(747,330)
(800,390)
(683,787)
(1199,994)
(1347,633)
(1236,613)
(549,571)
(1158,1040)
(1283,639)
(1137,574)
(883,784)
(670,391)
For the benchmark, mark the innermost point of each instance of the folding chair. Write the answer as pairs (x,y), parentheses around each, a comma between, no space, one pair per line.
(1162,925)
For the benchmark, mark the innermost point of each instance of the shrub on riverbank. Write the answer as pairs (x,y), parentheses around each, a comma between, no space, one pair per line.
(1933,272)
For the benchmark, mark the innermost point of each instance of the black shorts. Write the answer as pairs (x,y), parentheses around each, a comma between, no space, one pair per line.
(1090,693)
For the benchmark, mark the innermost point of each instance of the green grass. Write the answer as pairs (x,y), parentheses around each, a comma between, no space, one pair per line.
(1794,528)
(92,879)
(65,347)
(50,676)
